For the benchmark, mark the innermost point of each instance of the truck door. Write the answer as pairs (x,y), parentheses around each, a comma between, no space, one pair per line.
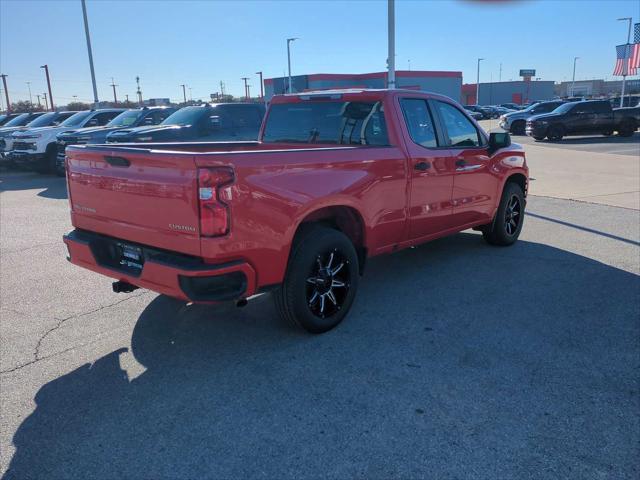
(431,171)
(474,185)
(583,119)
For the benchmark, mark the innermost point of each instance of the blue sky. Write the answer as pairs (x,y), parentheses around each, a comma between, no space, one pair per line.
(200,43)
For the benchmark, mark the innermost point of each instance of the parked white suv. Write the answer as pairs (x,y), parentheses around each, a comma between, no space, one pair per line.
(36,148)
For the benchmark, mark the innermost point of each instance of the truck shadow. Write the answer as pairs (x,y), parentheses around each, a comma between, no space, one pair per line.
(454,353)
(52,186)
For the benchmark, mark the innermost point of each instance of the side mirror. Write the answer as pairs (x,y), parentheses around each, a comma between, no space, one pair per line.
(498,140)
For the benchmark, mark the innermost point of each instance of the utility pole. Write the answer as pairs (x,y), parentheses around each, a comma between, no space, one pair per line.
(573,79)
(221,88)
(39,104)
(139,92)
(46,104)
(30,97)
(261,86)
(246,88)
(626,64)
(113,85)
(6,92)
(127,97)
(46,71)
(478,83)
(289,40)
(93,73)
(391,41)
(184,92)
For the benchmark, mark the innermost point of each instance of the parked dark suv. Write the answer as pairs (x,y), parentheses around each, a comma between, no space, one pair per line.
(203,123)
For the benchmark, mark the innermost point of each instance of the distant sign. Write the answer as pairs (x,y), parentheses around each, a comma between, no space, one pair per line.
(528,73)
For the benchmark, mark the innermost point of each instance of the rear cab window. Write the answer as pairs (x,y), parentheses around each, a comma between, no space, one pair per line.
(419,121)
(327,122)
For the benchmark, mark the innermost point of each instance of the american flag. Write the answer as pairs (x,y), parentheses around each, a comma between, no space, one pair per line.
(627,59)
(636,33)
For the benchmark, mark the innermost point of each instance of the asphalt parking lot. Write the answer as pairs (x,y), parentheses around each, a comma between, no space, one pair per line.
(459,360)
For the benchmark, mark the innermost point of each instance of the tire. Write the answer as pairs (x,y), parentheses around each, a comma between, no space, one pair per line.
(321,280)
(626,129)
(517,128)
(555,133)
(48,163)
(538,138)
(502,231)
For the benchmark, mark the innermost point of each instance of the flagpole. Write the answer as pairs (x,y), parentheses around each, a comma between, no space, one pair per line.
(626,60)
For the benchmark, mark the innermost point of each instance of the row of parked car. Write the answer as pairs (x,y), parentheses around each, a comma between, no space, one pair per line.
(38,140)
(556,119)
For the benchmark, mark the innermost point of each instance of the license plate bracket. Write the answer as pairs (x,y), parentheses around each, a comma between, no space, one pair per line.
(130,256)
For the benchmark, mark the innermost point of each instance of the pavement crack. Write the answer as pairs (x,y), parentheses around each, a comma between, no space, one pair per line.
(58,325)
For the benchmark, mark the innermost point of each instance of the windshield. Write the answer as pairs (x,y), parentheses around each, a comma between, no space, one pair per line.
(18,121)
(185,116)
(342,123)
(76,120)
(564,108)
(125,119)
(43,120)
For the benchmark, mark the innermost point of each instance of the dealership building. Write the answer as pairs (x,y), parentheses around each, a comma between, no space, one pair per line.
(444,83)
(495,93)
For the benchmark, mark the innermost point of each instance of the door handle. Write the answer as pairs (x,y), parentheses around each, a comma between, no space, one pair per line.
(422,166)
(461,162)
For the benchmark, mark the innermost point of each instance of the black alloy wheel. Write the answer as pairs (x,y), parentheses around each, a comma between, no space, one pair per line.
(328,284)
(512,215)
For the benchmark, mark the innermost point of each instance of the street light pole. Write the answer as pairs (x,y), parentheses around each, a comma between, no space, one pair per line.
(261,86)
(46,71)
(30,97)
(391,44)
(573,79)
(46,104)
(184,92)
(6,92)
(39,104)
(626,64)
(289,40)
(246,88)
(478,83)
(93,73)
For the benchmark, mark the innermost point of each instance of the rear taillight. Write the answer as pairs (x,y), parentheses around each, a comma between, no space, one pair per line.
(214,213)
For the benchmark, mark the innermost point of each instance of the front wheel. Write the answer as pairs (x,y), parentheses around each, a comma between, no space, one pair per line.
(626,129)
(517,128)
(555,133)
(321,280)
(507,224)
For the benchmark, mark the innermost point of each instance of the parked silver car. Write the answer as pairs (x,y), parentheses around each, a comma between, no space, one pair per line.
(515,122)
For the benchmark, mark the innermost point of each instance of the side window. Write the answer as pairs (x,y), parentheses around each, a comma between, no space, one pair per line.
(461,132)
(244,117)
(103,118)
(601,108)
(419,122)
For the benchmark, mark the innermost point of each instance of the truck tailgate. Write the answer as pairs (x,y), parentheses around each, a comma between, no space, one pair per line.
(136,195)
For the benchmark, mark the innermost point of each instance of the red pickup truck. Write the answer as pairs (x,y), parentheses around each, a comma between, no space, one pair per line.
(336,177)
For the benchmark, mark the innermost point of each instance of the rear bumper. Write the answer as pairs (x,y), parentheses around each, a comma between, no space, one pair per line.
(176,275)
